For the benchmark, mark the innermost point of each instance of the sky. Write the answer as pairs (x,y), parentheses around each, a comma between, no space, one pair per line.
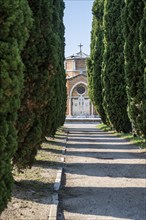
(78,24)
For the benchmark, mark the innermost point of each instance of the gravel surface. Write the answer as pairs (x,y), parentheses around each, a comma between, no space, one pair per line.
(32,194)
(105,177)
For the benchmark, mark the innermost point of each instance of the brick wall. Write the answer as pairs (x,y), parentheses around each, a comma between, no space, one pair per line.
(80,64)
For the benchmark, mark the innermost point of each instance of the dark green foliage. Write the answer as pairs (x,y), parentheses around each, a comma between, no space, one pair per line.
(134,63)
(44,96)
(15,19)
(114,91)
(143,56)
(94,63)
(57,108)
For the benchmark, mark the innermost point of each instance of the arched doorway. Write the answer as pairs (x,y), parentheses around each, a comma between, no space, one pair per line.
(80,102)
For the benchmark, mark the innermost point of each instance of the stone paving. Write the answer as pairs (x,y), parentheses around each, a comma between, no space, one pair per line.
(105,176)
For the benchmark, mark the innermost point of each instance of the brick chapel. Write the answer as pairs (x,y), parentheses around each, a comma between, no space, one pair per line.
(78,102)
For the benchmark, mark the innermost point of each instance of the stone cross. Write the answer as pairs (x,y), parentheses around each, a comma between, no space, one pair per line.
(80,47)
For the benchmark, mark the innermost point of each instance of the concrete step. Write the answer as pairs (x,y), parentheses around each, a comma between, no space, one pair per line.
(98,119)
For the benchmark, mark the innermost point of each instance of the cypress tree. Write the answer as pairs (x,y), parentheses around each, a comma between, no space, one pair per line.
(42,102)
(15,21)
(134,64)
(57,109)
(143,56)
(114,91)
(94,63)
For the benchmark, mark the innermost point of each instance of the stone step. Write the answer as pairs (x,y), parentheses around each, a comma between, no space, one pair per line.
(98,119)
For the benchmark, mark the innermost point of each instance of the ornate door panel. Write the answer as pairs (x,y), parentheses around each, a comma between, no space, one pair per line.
(75,107)
(80,106)
(86,107)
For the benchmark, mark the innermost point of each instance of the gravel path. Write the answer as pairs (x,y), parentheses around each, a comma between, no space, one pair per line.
(105,177)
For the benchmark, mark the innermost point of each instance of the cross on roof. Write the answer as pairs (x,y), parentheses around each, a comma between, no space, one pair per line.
(80,47)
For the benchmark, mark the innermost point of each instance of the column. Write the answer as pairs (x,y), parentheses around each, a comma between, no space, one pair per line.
(92,110)
(69,107)
(74,65)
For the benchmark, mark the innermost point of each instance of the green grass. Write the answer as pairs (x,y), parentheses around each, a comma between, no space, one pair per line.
(104,127)
(134,140)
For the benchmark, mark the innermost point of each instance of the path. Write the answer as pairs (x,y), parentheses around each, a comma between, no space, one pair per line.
(105,177)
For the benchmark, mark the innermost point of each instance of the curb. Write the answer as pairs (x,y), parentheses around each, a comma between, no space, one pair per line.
(56,187)
(57,183)
(54,207)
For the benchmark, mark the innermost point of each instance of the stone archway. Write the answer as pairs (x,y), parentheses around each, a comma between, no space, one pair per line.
(79,100)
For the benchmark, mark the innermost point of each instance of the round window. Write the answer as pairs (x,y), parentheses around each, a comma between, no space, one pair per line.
(81,90)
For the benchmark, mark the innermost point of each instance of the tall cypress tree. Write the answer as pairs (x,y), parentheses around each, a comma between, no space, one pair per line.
(94,63)
(114,89)
(57,108)
(143,56)
(134,64)
(43,57)
(15,21)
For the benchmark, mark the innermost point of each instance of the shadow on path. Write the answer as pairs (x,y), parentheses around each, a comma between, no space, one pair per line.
(105,177)
(124,203)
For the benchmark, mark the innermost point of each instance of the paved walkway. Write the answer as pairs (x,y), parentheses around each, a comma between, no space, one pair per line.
(105,177)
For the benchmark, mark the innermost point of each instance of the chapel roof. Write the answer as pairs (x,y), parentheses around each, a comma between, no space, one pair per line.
(79,55)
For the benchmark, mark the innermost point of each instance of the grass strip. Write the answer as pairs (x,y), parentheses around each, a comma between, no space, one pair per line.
(129,136)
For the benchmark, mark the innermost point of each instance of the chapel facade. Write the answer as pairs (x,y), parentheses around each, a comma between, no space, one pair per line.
(78,102)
